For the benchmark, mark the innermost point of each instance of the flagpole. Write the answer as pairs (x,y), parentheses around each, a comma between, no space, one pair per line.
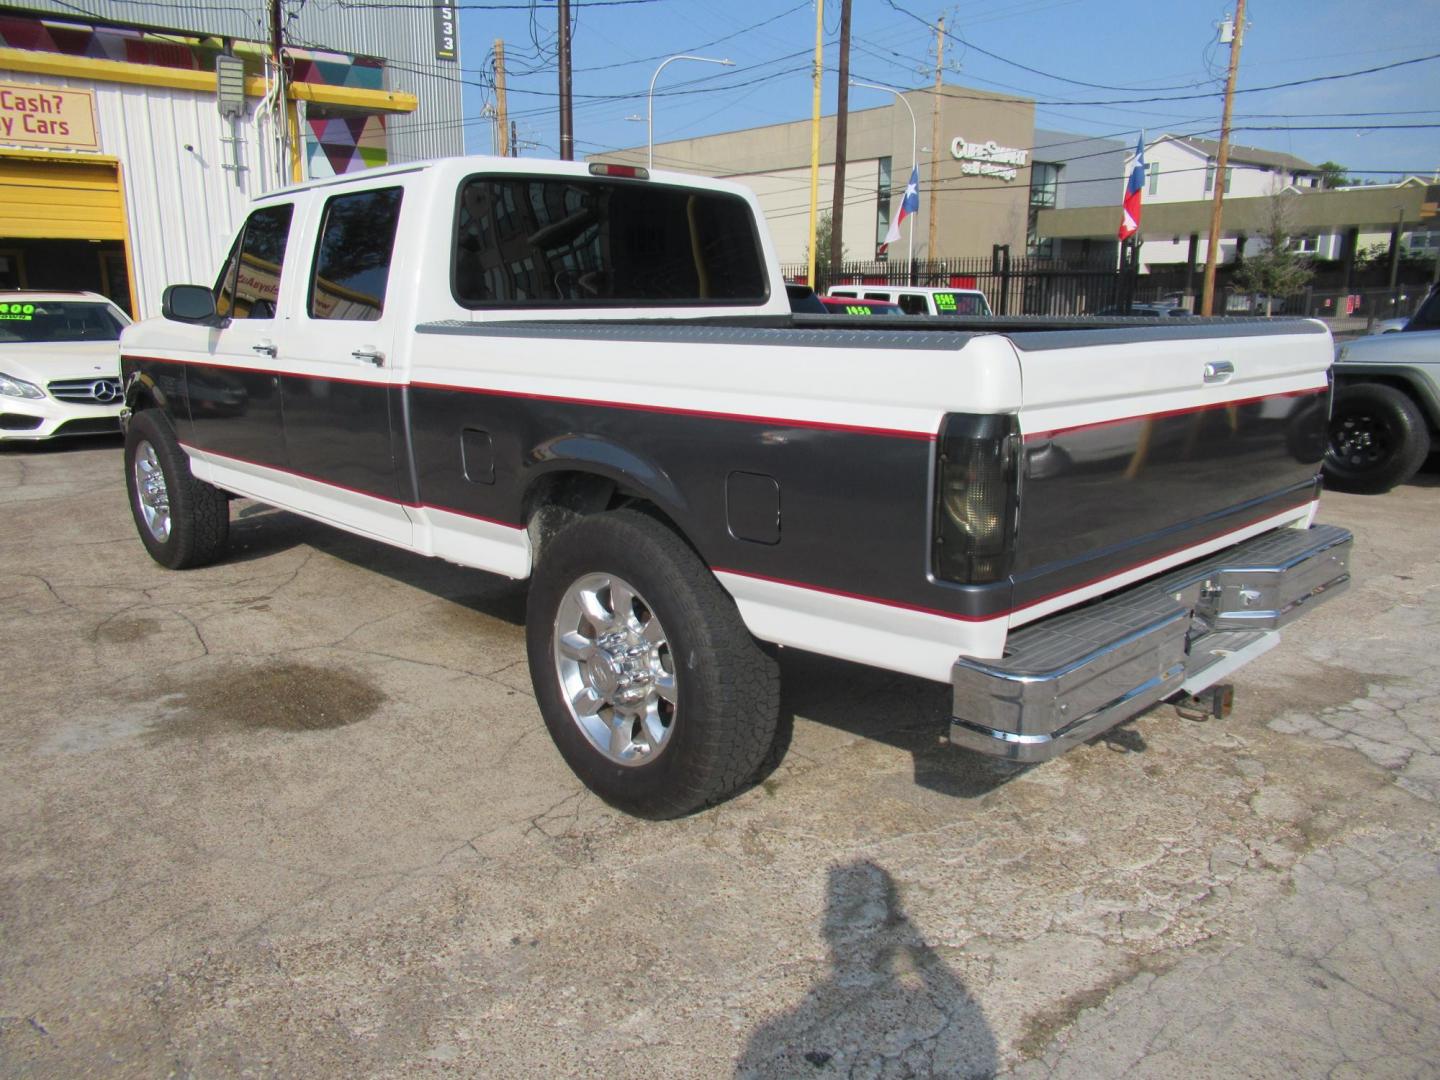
(914,168)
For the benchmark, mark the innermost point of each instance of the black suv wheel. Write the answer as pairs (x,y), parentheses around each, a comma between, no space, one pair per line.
(1378,439)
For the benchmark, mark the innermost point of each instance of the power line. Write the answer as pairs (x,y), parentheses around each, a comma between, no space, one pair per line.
(1025,67)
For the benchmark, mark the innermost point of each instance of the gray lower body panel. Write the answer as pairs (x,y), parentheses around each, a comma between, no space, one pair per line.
(1072,676)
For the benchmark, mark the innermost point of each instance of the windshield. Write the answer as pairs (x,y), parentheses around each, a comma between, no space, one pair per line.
(36,321)
(1428,317)
(948,303)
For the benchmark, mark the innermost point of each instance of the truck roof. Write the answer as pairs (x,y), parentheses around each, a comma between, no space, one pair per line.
(492,164)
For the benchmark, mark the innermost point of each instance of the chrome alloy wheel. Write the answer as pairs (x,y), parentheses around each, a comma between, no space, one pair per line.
(150,490)
(616,670)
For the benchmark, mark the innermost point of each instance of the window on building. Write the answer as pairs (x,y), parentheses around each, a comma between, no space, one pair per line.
(593,242)
(1209,176)
(1229,175)
(1424,241)
(1044,194)
(352,259)
(1306,245)
(249,285)
(1153,171)
(1044,184)
(882,201)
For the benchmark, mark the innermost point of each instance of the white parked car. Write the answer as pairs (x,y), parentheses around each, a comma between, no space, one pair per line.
(59,364)
(919,300)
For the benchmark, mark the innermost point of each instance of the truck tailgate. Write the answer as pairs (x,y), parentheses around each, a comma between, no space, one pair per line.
(1146,446)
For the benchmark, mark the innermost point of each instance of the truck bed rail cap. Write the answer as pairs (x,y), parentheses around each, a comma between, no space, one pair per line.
(870,337)
(1095,332)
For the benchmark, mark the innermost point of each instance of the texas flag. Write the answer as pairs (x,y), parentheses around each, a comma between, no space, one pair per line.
(1130,208)
(909,204)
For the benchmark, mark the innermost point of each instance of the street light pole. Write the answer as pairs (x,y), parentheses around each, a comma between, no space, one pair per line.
(914,166)
(650,97)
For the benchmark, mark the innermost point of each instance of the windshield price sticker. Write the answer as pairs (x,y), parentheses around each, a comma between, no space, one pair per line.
(945,301)
(17,312)
(857,309)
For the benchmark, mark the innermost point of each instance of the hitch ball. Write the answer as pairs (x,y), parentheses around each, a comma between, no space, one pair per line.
(1216,701)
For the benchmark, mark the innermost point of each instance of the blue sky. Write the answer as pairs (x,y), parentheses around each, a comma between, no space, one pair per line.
(1127,52)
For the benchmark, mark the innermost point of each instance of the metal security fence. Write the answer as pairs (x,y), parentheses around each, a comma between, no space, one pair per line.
(1034,286)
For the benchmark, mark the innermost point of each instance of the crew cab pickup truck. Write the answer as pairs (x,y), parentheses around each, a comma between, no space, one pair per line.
(590,377)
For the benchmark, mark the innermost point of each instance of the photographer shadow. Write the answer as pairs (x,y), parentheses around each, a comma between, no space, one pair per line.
(887,998)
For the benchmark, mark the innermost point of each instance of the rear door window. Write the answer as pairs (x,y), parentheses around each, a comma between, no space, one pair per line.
(352,257)
(913,304)
(527,241)
(249,285)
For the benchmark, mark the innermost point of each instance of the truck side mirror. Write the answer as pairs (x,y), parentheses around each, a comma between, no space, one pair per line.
(188,304)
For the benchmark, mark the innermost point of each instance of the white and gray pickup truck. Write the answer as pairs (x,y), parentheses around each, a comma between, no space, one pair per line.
(590,377)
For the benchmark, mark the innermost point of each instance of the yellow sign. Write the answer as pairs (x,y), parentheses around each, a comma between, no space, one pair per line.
(40,116)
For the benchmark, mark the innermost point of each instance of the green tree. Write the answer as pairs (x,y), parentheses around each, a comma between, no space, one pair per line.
(1278,270)
(1333,175)
(824,227)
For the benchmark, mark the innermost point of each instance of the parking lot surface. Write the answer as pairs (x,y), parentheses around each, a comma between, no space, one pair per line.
(297,814)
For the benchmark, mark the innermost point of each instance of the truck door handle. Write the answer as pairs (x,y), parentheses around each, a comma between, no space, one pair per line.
(370,355)
(266,346)
(1219,371)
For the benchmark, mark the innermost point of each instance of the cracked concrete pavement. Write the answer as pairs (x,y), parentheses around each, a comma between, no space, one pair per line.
(296,814)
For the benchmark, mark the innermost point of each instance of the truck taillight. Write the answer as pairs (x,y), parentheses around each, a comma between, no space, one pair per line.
(976,498)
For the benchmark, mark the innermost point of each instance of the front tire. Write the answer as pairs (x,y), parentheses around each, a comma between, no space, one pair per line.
(183,522)
(652,688)
(1378,439)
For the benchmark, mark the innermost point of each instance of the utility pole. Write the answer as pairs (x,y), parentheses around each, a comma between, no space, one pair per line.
(842,115)
(815,137)
(1222,160)
(567,116)
(935,137)
(282,95)
(502,120)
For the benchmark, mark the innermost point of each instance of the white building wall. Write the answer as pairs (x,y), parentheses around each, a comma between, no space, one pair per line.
(182,207)
(785,199)
(1182,173)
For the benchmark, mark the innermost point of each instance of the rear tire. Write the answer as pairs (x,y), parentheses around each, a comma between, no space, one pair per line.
(1378,439)
(651,686)
(183,522)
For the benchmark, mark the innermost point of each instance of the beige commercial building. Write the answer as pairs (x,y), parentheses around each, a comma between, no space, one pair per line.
(984,177)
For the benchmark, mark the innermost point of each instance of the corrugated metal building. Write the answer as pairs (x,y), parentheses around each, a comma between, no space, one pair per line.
(133,135)
(406,37)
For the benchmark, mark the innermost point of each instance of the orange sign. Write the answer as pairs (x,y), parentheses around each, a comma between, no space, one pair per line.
(40,116)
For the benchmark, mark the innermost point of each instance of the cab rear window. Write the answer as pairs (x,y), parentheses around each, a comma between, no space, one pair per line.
(523,241)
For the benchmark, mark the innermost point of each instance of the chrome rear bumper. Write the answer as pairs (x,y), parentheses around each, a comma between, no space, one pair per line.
(1070,677)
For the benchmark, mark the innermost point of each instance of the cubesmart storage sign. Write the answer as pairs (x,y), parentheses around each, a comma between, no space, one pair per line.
(41,116)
